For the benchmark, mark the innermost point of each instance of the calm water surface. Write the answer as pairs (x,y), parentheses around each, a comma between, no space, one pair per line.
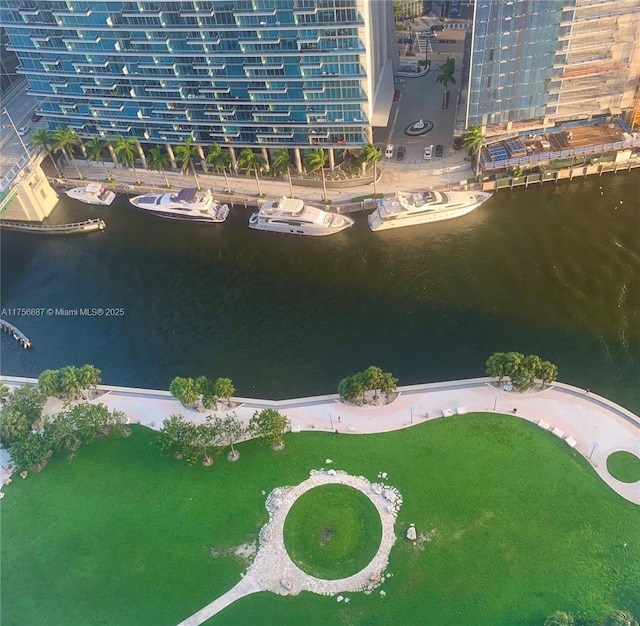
(552,270)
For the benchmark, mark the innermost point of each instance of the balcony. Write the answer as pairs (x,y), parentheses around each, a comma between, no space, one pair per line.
(81,39)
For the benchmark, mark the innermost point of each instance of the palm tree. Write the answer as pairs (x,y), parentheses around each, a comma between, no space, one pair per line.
(249,160)
(13,425)
(220,161)
(64,139)
(88,376)
(282,165)
(445,77)
(158,161)
(126,149)
(370,155)
(474,140)
(224,389)
(42,138)
(69,383)
(187,153)
(95,147)
(316,160)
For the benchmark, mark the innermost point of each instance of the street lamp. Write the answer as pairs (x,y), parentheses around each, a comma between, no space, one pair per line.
(411,408)
(331,419)
(595,445)
(495,402)
(24,147)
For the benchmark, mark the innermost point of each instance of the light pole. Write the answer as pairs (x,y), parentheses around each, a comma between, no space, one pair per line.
(331,419)
(495,402)
(595,445)
(411,408)
(24,147)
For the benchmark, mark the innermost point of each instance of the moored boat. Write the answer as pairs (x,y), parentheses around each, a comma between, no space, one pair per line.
(411,209)
(186,204)
(93,193)
(291,215)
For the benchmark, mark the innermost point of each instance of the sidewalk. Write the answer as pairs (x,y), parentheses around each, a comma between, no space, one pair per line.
(598,426)
(443,173)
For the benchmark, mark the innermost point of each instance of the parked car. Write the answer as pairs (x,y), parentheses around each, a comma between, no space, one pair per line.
(427,34)
(428,151)
(23,130)
(401,151)
(439,150)
(396,95)
(388,153)
(36,117)
(436,28)
(457,143)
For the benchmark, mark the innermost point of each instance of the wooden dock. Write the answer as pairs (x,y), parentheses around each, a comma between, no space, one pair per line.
(19,336)
(55,229)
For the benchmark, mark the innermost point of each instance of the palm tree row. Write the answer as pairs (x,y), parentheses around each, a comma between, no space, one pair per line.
(126,149)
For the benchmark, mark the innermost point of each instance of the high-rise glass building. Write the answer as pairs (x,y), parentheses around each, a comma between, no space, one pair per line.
(534,63)
(246,73)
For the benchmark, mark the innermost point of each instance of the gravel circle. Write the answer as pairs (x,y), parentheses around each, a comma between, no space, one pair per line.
(273,570)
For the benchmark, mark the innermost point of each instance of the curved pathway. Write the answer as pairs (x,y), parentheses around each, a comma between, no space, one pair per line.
(598,426)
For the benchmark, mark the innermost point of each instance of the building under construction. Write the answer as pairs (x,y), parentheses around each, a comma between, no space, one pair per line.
(535,64)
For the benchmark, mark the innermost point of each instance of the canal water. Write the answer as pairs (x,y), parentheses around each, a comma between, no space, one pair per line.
(551,270)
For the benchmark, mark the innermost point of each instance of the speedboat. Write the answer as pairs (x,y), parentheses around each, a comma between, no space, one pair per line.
(409,209)
(186,204)
(290,215)
(93,193)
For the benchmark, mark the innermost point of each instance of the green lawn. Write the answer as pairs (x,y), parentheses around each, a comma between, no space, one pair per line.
(332,531)
(624,466)
(123,536)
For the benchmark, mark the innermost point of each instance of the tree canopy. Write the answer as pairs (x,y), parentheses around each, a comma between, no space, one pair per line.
(270,426)
(371,379)
(524,371)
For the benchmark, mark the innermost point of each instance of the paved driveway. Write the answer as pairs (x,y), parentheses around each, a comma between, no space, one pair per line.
(421,98)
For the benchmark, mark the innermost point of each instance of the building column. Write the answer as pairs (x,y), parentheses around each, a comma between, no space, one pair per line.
(172,157)
(370,134)
(332,161)
(298,159)
(143,158)
(265,156)
(201,154)
(234,160)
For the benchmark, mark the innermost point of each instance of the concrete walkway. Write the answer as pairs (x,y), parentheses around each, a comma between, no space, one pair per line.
(598,426)
(394,175)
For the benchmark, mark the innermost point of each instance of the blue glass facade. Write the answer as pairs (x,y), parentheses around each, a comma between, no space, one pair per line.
(258,73)
(513,54)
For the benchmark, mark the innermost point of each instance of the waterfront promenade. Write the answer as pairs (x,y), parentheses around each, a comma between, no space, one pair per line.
(598,426)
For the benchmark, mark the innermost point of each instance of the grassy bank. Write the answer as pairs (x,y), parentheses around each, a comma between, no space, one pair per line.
(520,524)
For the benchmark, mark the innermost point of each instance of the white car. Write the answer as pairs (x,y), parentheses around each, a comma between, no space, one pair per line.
(23,130)
(388,153)
(428,152)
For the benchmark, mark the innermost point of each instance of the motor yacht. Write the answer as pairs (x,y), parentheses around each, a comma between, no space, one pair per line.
(290,215)
(410,209)
(93,193)
(186,204)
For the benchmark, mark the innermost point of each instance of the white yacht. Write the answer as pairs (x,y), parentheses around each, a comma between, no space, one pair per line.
(290,215)
(186,204)
(409,209)
(93,193)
